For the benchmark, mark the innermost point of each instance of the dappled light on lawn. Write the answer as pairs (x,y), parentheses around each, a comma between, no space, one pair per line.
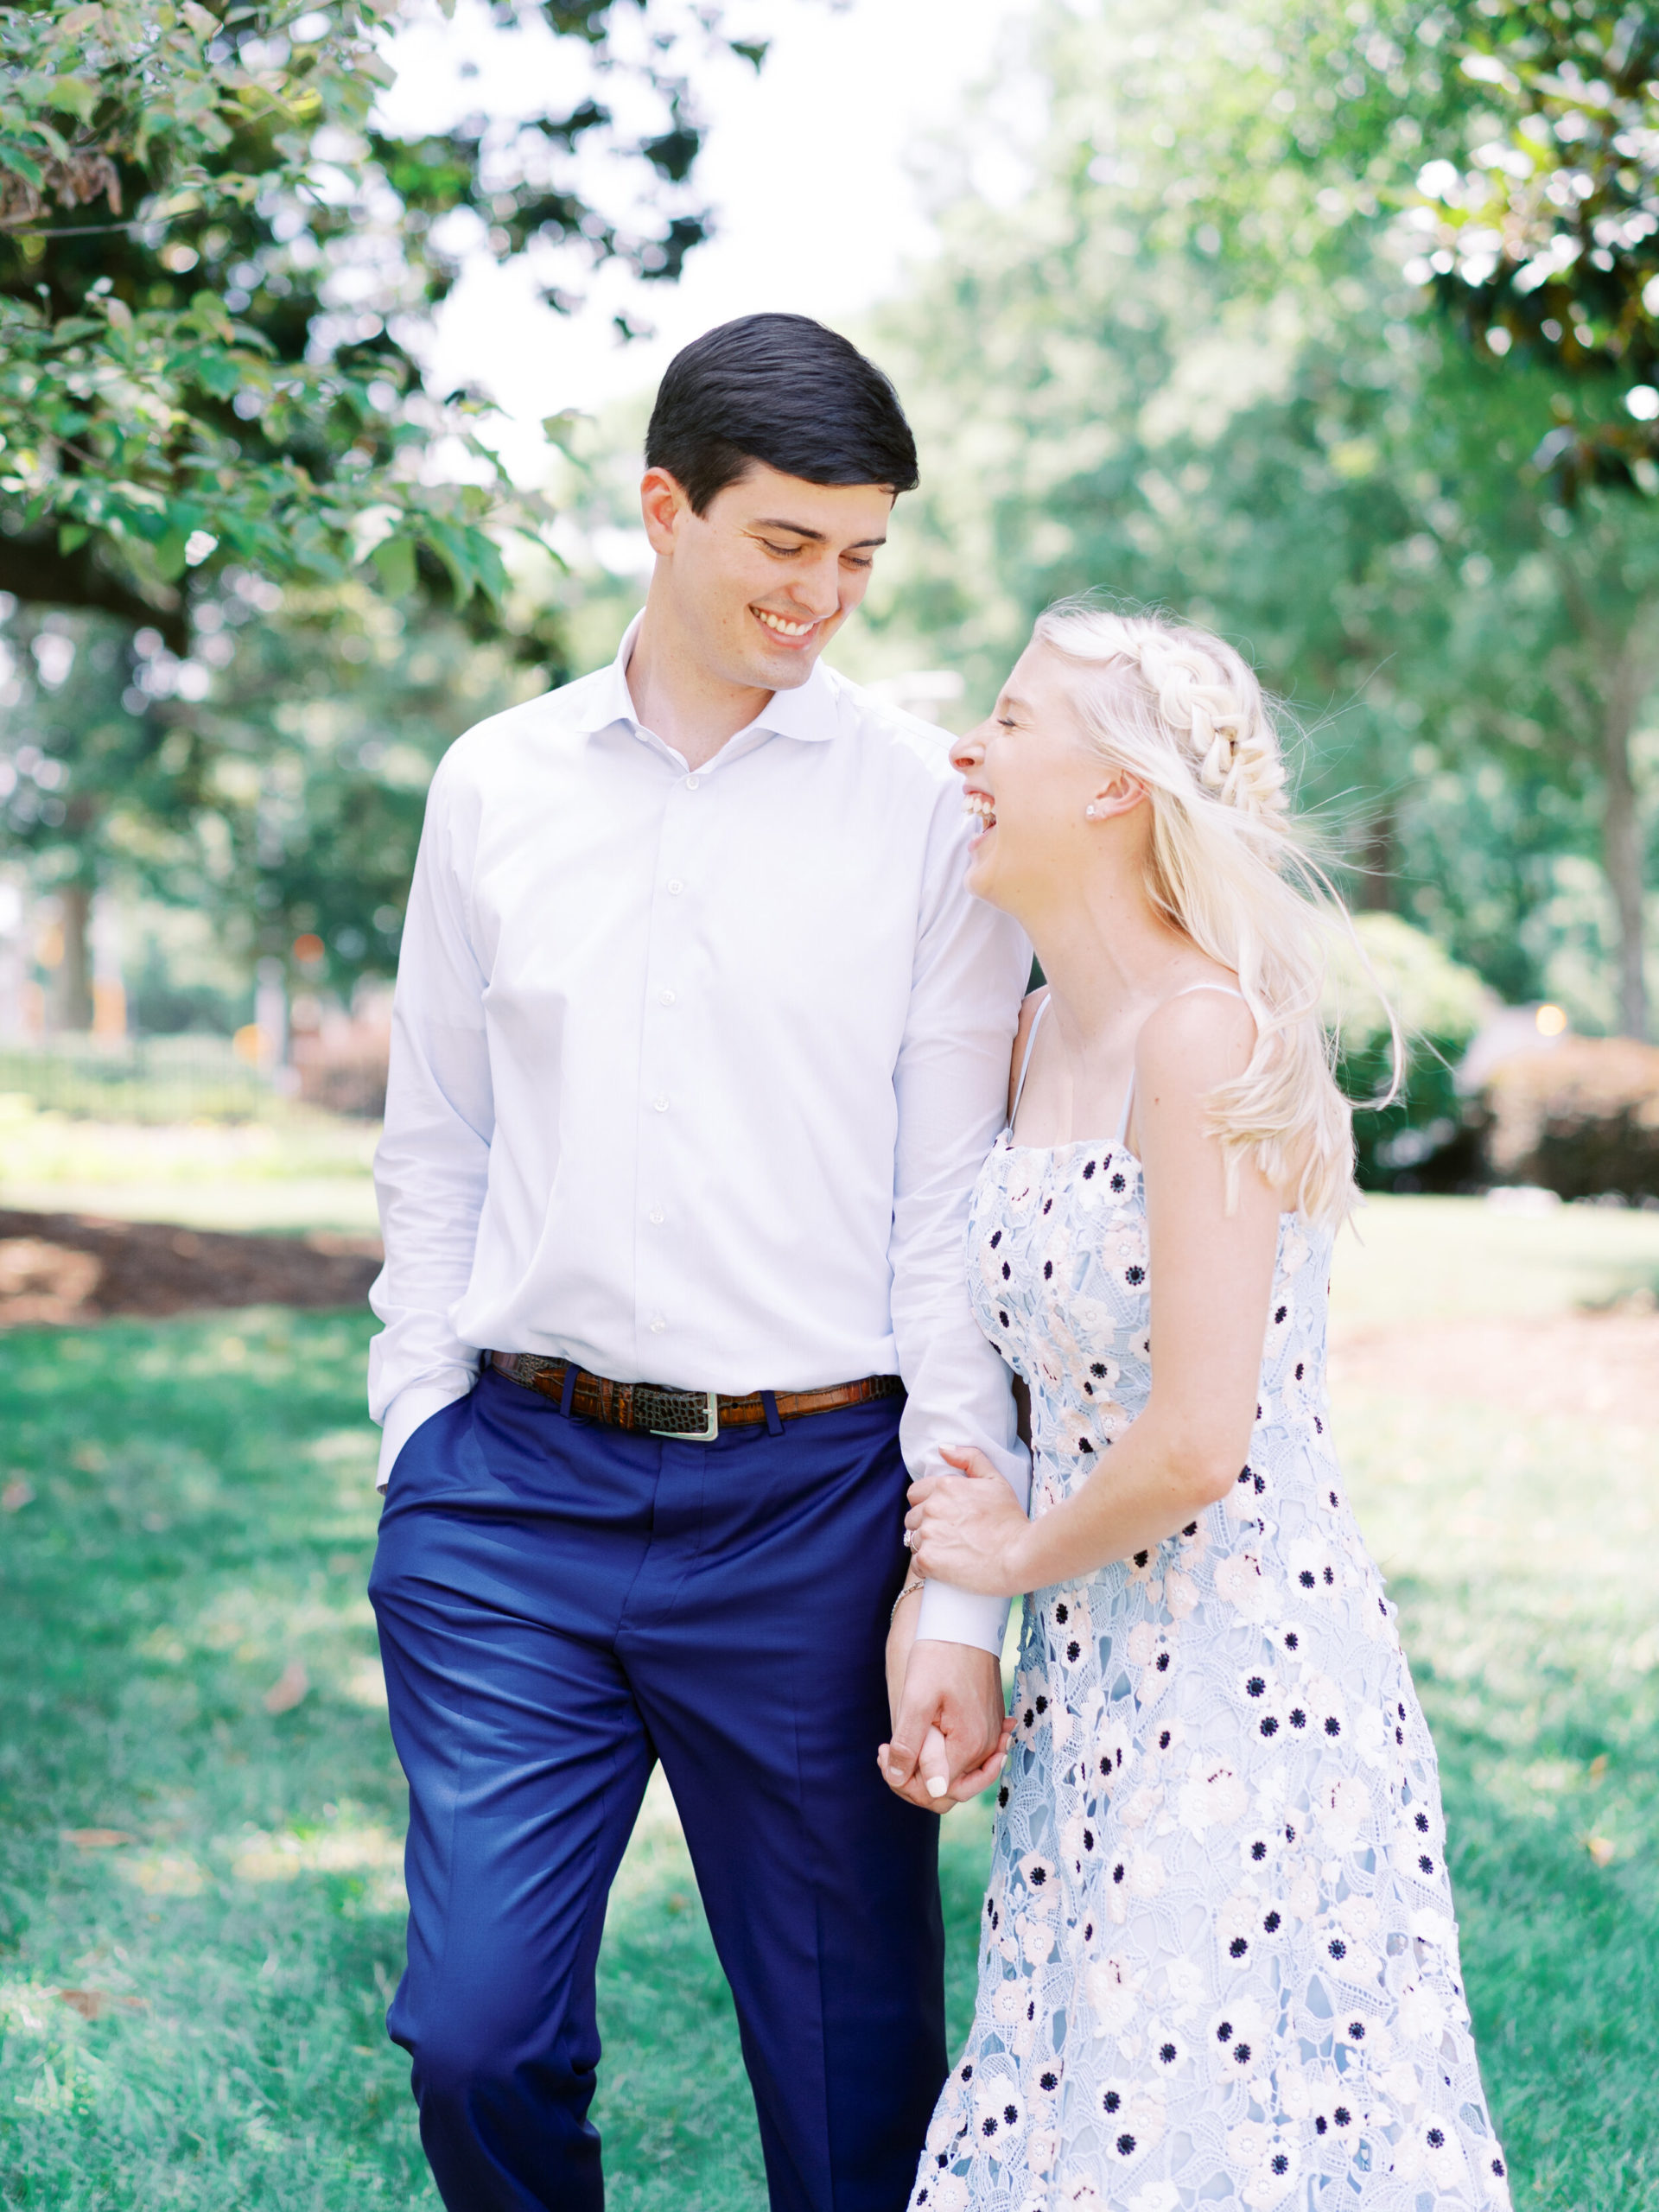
(201,1883)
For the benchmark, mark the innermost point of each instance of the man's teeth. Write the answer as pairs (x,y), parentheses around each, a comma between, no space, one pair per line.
(982,809)
(785,629)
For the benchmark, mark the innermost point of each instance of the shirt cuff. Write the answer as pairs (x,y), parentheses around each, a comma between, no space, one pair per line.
(407,1412)
(953,1616)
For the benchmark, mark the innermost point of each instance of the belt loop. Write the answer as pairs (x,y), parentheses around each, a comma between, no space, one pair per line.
(567,1396)
(774,1426)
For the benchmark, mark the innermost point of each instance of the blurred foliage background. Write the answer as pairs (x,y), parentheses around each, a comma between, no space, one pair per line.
(1331,322)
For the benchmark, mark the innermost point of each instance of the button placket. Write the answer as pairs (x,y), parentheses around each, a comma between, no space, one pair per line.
(663,1073)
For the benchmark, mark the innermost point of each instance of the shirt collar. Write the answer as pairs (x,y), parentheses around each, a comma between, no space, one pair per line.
(808,712)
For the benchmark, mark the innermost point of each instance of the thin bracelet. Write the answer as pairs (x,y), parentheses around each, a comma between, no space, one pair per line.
(916,1582)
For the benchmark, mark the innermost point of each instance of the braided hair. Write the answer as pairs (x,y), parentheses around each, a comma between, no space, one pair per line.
(1210,699)
(1183,713)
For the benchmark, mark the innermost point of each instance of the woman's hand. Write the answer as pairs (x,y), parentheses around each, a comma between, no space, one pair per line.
(940,1702)
(968,1530)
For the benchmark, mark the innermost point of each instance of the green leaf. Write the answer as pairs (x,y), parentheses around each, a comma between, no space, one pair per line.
(73,535)
(559,430)
(13,157)
(488,567)
(395,559)
(168,555)
(77,96)
(216,372)
(451,547)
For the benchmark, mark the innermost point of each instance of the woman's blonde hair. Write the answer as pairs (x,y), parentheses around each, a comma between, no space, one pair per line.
(1183,713)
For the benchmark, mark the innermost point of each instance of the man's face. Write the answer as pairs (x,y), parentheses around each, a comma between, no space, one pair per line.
(767,576)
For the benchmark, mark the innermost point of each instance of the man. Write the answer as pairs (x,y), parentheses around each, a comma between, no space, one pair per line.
(698,1046)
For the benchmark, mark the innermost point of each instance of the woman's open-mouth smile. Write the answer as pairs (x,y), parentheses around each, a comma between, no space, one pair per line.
(981,807)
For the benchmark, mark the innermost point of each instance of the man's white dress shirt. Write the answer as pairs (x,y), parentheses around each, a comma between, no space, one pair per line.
(692,1072)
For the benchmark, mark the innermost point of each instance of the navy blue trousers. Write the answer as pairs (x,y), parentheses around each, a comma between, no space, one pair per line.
(560,1605)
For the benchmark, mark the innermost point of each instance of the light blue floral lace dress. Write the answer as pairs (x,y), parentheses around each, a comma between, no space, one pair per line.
(1219,1964)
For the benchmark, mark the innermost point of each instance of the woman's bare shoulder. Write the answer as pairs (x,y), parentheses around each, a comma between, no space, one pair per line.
(1194,1040)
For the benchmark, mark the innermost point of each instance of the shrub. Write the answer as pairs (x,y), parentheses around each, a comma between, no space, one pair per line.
(1582,1119)
(1420,1141)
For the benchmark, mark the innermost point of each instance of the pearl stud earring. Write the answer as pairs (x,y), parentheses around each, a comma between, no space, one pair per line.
(1089,811)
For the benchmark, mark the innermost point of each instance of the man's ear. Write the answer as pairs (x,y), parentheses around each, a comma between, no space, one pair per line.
(663,505)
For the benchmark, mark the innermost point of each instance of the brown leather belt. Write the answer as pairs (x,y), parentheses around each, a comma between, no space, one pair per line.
(651,1409)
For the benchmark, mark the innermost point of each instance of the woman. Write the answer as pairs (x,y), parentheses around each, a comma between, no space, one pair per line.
(1219,1966)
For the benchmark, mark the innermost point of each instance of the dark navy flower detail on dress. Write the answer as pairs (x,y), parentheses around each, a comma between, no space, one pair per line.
(1220,1819)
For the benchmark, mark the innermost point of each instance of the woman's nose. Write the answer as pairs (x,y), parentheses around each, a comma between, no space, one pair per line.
(967,753)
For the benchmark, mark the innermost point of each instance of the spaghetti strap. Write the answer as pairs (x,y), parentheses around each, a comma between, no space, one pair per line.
(1122,1136)
(1226,990)
(1031,1039)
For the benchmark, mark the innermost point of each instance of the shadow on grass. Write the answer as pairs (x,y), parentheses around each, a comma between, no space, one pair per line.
(673,2106)
(189,1522)
(190,1516)
(191,1519)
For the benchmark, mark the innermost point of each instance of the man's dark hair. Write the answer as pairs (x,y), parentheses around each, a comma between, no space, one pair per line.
(783,390)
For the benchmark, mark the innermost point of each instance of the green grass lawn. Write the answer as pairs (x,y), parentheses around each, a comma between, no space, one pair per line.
(190,1523)
(296,1169)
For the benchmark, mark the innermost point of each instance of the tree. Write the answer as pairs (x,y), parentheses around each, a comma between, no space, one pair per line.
(1535,222)
(1529,182)
(209,260)
(284,801)
(1188,367)
(213,265)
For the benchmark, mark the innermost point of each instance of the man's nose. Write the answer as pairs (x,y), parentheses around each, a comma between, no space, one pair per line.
(818,591)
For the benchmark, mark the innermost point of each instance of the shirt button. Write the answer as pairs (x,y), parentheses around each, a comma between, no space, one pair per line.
(675,887)
(670,997)
(660,1101)
(657,1215)
(657,1324)
(691,782)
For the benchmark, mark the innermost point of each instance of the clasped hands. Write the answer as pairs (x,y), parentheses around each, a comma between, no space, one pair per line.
(950,1729)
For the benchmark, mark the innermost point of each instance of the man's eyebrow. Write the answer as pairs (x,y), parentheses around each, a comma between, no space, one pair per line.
(800,529)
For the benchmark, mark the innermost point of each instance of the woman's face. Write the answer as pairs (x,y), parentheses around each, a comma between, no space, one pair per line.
(1029,774)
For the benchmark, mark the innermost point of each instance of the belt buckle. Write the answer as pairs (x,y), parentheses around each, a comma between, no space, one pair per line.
(710,1429)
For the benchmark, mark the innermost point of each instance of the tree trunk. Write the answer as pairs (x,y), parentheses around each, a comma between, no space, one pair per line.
(1622,840)
(1625,660)
(71,986)
(32,568)
(1376,863)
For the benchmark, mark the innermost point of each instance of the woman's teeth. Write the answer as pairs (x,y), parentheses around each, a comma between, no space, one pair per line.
(785,629)
(982,809)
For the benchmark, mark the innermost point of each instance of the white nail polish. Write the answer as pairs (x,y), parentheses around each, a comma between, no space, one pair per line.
(937,1785)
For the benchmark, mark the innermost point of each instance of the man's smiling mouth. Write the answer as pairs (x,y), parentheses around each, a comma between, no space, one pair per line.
(780,626)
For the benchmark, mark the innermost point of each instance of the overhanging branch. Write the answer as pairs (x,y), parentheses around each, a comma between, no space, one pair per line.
(33,570)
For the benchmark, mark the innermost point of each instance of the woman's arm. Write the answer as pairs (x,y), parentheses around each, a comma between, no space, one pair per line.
(1211,1281)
